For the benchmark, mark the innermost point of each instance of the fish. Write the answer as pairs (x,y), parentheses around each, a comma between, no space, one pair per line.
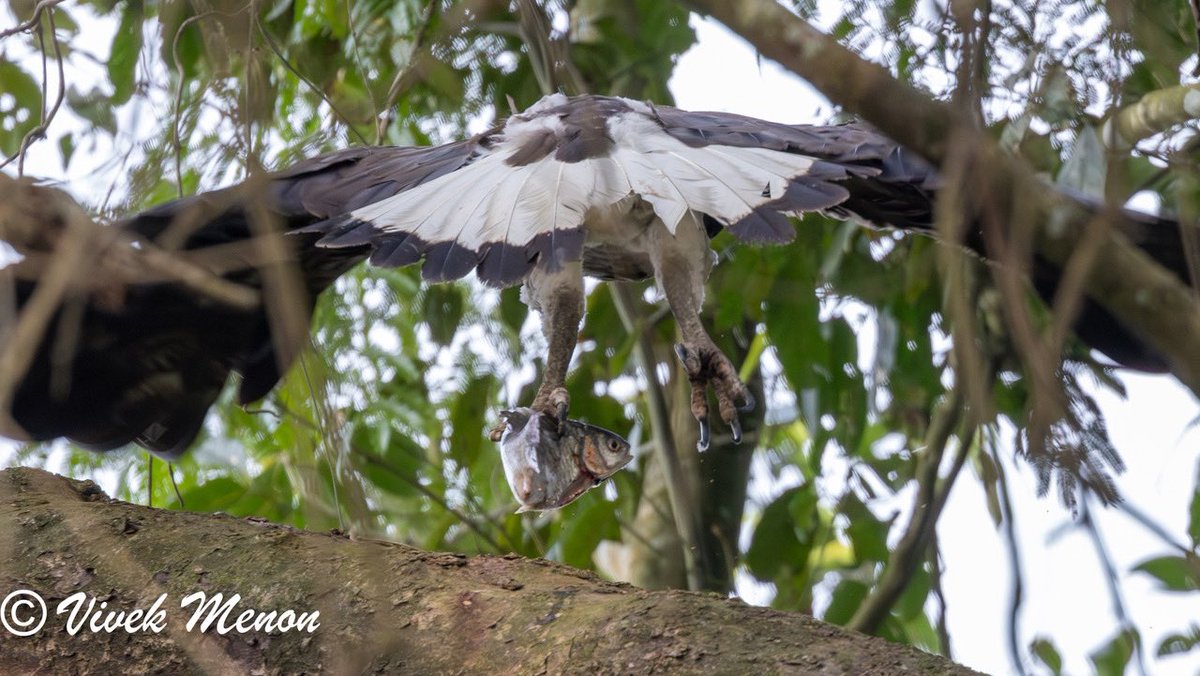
(548,469)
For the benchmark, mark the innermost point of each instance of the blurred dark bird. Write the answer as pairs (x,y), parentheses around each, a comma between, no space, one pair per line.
(607,187)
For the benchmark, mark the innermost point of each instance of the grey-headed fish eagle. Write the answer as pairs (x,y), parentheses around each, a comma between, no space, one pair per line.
(572,187)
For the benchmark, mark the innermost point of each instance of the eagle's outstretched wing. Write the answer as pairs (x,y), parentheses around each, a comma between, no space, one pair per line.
(525,198)
(569,186)
(147,368)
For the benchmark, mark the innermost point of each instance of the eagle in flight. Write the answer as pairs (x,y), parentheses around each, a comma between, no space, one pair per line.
(608,187)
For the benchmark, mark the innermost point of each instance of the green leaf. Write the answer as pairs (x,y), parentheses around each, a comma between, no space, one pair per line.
(1178,644)
(94,107)
(1194,513)
(126,48)
(215,495)
(1058,95)
(1043,649)
(918,631)
(1175,573)
(468,419)
(847,597)
(794,326)
(912,602)
(512,311)
(442,308)
(591,519)
(21,114)
(66,148)
(776,547)
(447,81)
(1113,658)
(866,532)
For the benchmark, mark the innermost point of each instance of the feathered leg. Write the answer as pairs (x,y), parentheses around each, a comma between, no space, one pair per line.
(558,297)
(682,263)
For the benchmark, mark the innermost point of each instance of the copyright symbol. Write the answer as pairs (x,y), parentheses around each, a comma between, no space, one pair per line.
(22,613)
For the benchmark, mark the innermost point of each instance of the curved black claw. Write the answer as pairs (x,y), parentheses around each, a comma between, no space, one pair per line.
(681,352)
(705,434)
(735,427)
(749,404)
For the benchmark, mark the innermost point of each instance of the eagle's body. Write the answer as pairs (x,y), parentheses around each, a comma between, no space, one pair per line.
(598,186)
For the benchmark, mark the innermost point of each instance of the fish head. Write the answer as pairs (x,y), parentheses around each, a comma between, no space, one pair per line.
(601,452)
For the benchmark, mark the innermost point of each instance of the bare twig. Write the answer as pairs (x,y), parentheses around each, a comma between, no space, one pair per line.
(283,287)
(935,584)
(29,229)
(39,132)
(1195,5)
(326,444)
(71,256)
(278,51)
(1154,527)
(33,21)
(962,290)
(1111,577)
(928,502)
(1017,596)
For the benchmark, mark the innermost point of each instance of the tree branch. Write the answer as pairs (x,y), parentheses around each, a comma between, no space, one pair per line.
(1148,299)
(928,502)
(681,486)
(1157,112)
(383,606)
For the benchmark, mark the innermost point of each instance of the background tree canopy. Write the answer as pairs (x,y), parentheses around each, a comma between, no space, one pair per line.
(884,361)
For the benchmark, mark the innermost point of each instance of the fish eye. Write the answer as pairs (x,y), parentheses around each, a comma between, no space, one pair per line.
(614,445)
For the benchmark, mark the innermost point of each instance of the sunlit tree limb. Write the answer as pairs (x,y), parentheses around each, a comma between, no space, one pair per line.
(1157,112)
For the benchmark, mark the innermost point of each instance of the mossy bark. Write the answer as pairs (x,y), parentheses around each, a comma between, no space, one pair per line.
(383,606)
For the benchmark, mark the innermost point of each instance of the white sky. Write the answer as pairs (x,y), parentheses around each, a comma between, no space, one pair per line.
(1066,598)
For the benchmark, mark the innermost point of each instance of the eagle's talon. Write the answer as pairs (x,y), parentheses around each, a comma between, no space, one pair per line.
(706,367)
(705,434)
(555,403)
(748,402)
(681,352)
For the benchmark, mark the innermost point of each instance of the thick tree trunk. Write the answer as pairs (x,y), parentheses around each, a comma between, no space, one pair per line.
(383,607)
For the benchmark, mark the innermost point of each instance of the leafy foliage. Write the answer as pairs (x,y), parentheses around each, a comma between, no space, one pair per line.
(380,428)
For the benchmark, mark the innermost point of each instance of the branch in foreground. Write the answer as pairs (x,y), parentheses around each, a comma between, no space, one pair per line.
(382,606)
(1143,295)
(1157,112)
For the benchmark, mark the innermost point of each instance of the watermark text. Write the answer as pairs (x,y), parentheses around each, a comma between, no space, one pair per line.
(24,613)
